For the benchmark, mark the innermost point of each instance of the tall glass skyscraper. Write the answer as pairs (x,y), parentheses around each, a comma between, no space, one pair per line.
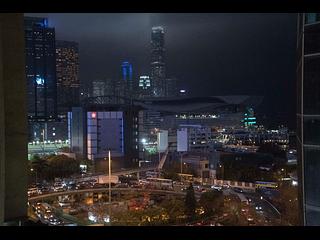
(68,83)
(40,69)
(158,73)
(308,116)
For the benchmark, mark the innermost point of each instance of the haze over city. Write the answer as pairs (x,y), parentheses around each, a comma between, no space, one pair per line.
(153,119)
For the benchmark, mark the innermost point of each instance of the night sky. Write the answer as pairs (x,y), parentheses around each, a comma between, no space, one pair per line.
(210,54)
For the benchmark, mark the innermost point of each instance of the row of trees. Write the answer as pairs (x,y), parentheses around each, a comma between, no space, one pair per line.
(173,211)
(211,202)
(53,166)
(287,203)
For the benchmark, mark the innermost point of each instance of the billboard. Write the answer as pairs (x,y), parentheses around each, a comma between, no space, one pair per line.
(182,140)
(162,138)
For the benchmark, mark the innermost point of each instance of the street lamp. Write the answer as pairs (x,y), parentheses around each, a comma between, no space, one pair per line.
(35,174)
(109,154)
(109,158)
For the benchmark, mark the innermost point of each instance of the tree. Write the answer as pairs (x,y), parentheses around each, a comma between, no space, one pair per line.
(39,166)
(211,202)
(288,204)
(63,166)
(174,209)
(190,203)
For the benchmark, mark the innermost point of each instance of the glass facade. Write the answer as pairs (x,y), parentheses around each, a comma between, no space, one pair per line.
(68,83)
(104,131)
(312,18)
(40,69)
(311,85)
(158,74)
(308,117)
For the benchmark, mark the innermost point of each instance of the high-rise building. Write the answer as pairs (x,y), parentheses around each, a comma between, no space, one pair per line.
(99,88)
(158,72)
(126,75)
(68,83)
(40,69)
(171,87)
(308,117)
(144,88)
(93,132)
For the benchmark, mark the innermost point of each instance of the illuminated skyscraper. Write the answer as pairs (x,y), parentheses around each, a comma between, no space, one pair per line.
(126,74)
(158,73)
(68,84)
(171,87)
(308,117)
(145,89)
(40,69)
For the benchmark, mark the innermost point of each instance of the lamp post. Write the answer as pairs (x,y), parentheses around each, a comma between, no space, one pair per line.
(109,154)
(109,177)
(35,174)
(43,141)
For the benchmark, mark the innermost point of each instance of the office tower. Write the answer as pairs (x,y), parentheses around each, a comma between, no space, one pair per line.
(126,75)
(122,89)
(144,87)
(171,87)
(40,69)
(13,121)
(308,117)
(92,133)
(68,83)
(99,88)
(158,73)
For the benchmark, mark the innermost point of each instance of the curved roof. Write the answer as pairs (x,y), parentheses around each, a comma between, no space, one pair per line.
(189,104)
(178,104)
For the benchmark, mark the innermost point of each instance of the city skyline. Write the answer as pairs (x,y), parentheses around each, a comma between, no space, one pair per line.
(151,119)
(220,45)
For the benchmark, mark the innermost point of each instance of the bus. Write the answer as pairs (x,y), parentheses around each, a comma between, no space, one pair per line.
(260,184)
(160,183)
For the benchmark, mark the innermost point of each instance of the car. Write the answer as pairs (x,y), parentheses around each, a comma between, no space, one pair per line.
(54,221)
(238,190)
(250,220)
(258,208)
(216,187)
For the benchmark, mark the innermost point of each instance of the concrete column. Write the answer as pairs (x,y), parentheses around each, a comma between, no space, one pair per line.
(13,119)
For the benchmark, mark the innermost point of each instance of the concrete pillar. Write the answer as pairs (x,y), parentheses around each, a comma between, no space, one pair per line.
(13,119)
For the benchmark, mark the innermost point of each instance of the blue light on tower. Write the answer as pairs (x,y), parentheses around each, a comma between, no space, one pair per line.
(126,68)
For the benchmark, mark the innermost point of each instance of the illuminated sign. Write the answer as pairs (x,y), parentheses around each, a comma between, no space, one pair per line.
(93,114)
(182,140)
